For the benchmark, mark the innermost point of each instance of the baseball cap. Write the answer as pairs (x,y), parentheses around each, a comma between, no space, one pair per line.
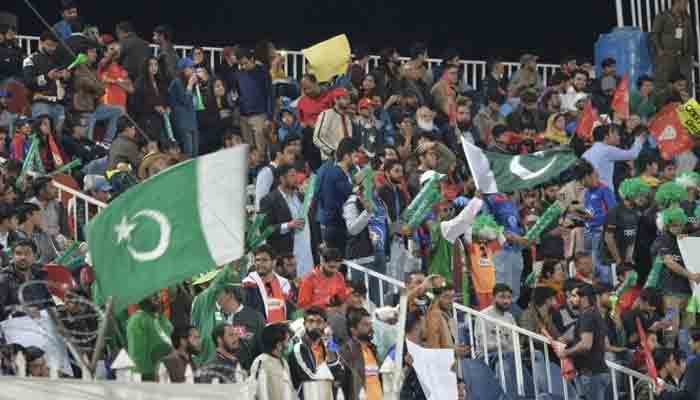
(184,62)
(23,121)
(5,93)
(340,92)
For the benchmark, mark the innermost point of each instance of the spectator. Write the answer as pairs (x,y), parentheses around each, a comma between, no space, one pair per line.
(125,148)
(228,67)
(574,91)
(148,335)
(69,12)
(526,115)
(283,210)
(254,87)
(274,379)
(118,84)
(674,91)
(508,262)
(649,310)
(333,125)
(444,95)
(357,70)
(265,290)
(565,317)
(288,124)
(320,286)
(163,37)
(538,316)
(588,347)
(184,114)
(186,344)
(44,78)
(53,215)
(500,310)
(609,70)
(150,100)
(198,57)
(134,50)
(37,367)
(412,73)
(526,77)
(225,366)
(10,52)
(360,357)
(464,130)
(675,279)
(673,41)
(24,268)
(386,75)
(427,159)
(642,99)
(553,276)
(489,117)
(334,188)
(496,80)
(312,103)
(620,230)
(87,98)
(598,199)
(282,153)
(310,352)
(29,219)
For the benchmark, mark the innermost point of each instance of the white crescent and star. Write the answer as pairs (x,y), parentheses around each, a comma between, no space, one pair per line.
(524,173)
(127,225)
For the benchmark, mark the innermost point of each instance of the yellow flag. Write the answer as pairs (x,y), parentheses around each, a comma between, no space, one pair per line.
(689,114)
(329,58)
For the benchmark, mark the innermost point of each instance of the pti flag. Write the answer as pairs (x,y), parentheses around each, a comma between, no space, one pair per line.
(504,173)
(669,132)
(184,221)
(586,121)
(621,98)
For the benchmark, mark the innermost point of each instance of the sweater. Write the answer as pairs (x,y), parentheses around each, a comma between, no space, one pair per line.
(330,129)
(255,92)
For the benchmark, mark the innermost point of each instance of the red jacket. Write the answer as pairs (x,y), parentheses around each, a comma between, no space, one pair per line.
(316,289)
(310,108)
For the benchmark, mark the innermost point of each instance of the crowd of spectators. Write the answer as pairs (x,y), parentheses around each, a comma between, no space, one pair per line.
(127,114)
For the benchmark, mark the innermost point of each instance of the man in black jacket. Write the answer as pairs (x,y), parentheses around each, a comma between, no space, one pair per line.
(10,53)
(310,352)
(23,269)
(135,50)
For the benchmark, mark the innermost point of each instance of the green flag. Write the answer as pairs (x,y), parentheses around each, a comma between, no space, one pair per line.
(496,172)
(184,221)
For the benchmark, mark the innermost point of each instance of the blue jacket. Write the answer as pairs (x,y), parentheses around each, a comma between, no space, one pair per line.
(283,130)
(184,114)
(598,200)
(334,188)
(506,214)
(255,91)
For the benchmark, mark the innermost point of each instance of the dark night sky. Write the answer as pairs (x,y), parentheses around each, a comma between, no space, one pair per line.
(479,28)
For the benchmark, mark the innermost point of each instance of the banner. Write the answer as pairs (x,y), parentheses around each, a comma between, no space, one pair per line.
(329,58)
(669,132)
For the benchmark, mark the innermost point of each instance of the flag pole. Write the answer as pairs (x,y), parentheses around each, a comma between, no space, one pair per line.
(100,344)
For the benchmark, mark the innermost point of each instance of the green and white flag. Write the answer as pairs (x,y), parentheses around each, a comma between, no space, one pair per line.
(504,173)
(184,221)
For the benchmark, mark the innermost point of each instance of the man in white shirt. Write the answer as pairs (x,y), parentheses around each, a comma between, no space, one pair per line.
(500,310)
(281,153)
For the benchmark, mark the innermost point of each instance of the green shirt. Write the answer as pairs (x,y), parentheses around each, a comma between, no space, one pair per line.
(149,341)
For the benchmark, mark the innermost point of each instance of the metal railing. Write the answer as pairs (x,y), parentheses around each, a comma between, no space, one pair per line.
(295,65)
(623,379)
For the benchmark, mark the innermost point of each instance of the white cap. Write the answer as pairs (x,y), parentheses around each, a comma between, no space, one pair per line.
(427,175)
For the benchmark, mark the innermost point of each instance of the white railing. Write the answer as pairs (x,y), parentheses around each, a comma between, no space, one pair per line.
(295,65)
(622,379)
(89,204)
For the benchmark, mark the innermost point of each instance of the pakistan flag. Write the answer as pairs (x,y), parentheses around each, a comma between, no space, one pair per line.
(184,221)
(504,173)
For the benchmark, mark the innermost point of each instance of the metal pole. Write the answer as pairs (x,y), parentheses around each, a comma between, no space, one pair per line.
(620,18)
(100,344)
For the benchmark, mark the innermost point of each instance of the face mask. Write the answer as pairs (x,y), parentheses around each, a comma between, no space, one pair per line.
(426,125)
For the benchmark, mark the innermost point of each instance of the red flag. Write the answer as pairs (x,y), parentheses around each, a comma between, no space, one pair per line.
(56,153)
(669,132)
(621,98)
(588,117)
(648,359)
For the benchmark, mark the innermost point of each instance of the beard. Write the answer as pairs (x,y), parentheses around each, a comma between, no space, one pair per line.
(426,125)
(314,334)
(366,337)
(464,125)
(395,181)
(501,307)
(328,272)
